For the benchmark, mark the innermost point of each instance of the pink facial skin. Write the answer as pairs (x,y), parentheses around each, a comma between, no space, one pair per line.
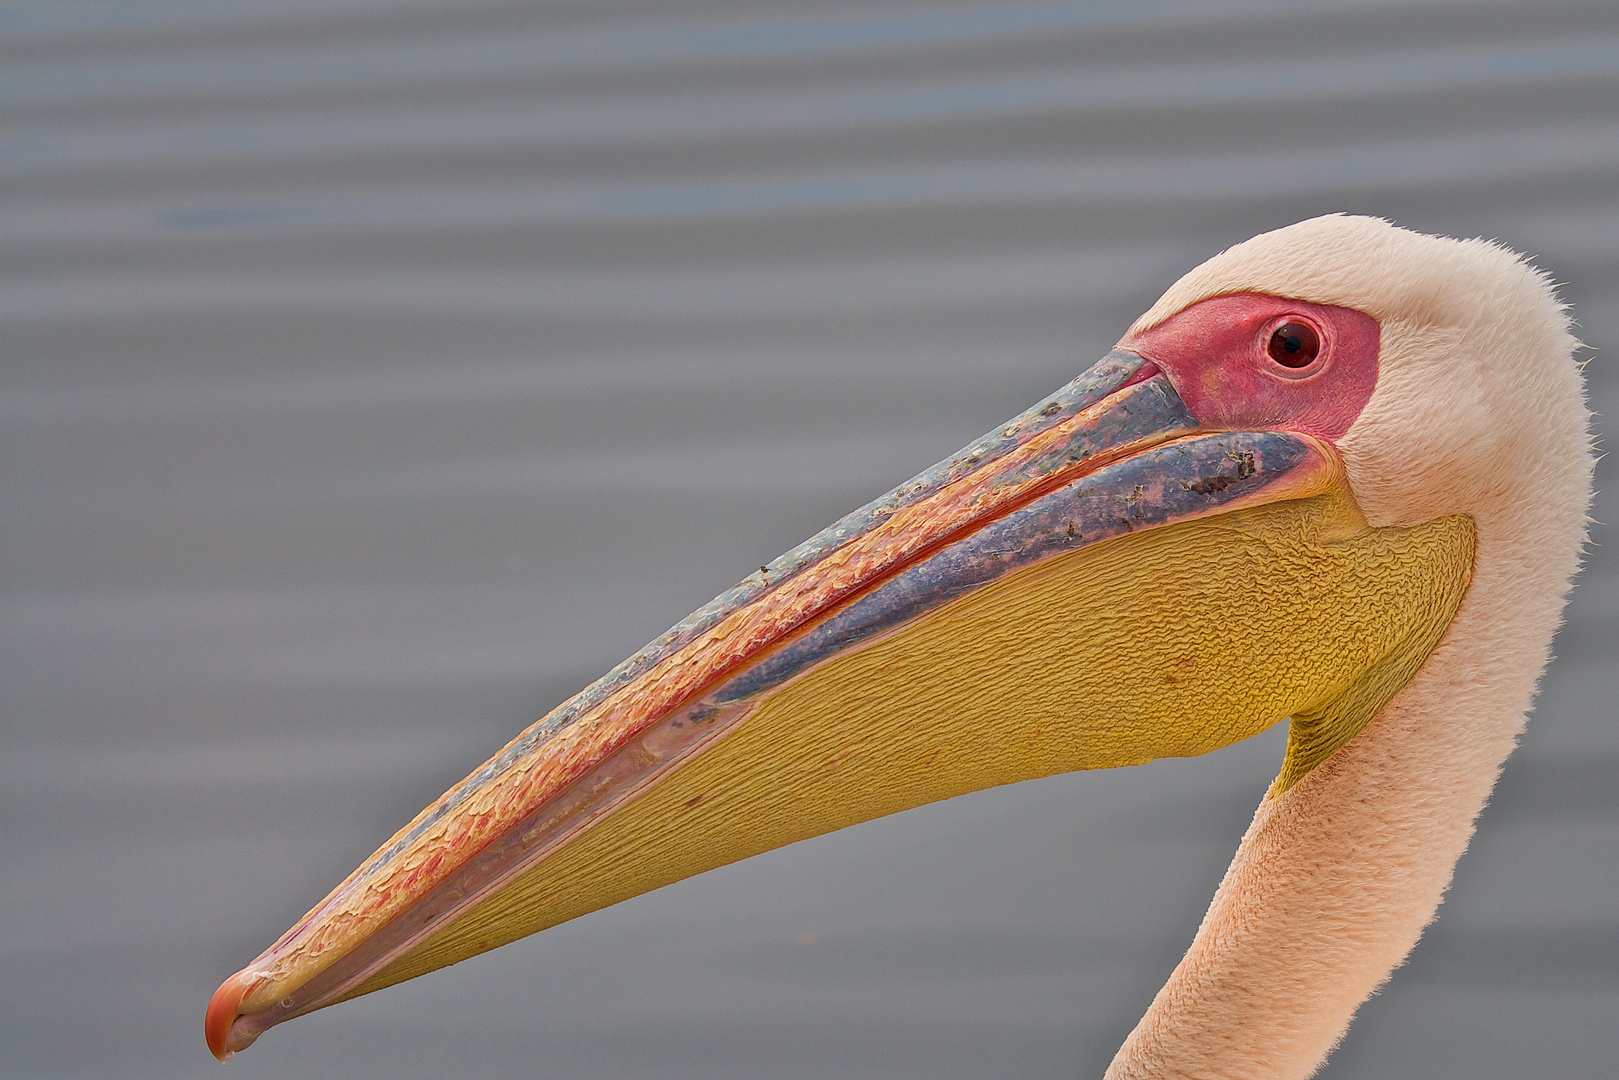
(1216,353)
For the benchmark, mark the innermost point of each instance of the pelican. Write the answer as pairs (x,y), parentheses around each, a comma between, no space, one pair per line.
(1337,475)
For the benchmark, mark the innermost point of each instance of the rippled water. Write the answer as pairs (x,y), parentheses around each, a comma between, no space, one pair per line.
(378,372)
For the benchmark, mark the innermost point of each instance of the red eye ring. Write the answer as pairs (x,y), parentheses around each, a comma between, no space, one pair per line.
(1294,344)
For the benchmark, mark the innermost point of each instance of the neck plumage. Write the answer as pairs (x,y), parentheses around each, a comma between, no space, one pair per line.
(1337,877)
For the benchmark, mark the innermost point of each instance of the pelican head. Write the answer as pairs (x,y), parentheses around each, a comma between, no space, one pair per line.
(1337,475)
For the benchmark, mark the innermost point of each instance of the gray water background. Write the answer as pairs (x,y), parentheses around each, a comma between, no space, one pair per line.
(378,372)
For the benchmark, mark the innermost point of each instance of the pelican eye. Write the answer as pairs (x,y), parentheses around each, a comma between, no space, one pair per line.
(1294,345)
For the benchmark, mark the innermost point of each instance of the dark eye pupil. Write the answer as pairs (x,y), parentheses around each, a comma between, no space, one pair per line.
(1294,345)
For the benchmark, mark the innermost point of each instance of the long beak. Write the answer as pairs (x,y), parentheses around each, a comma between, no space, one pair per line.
(1094,584)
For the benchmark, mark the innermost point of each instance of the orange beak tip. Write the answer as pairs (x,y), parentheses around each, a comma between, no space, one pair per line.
(222,1013)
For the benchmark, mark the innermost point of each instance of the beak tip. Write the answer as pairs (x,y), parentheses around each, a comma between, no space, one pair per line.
(222,1013)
